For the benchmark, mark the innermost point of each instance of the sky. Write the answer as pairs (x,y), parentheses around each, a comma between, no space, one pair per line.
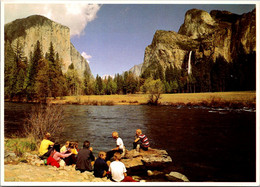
(113,37)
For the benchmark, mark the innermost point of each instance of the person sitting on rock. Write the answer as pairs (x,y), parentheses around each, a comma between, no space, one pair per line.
(100,165)
(73,158)
(77,146)
(46,146)
(117,170)
(72,148)
(58,156)
(84,158)
(65,148)
(141,141)
(119,146)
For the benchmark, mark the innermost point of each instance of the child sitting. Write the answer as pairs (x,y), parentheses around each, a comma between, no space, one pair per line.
(100,165)
(46,146)
(58,156)
(65,148)
(118,171)
(72,148)
(73,158)
(141,141)
(119,146)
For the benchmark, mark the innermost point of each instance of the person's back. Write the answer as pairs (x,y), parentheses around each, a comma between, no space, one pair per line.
(117,170)
(84,158)
(100,165)
(44,150)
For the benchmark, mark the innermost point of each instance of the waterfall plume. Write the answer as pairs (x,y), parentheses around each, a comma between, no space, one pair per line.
(189,63)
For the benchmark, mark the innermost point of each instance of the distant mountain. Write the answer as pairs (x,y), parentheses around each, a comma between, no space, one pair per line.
(208,36)
(33,28)
(136,70)
(106,76)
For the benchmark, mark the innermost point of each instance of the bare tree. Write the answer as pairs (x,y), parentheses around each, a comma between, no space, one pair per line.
(44,118)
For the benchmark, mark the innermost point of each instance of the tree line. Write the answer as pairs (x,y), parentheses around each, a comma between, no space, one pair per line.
(40,76)
(207,76)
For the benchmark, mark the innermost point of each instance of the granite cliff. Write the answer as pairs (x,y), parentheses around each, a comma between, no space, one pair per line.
(207,35)
(136,70)
(33,28)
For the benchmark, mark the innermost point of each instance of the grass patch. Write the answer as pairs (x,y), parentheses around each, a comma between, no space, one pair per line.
(21,145)
(216,99)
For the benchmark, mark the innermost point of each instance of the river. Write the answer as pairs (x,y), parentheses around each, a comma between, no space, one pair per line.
(212,145)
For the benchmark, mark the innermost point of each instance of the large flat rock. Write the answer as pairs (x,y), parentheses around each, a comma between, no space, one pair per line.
(142,161)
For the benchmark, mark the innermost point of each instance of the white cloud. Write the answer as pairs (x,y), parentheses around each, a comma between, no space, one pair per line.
(74,15)
(86,56)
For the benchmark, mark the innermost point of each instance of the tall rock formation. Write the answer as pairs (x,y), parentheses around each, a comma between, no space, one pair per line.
(208,35)
(33,28)
(136,70)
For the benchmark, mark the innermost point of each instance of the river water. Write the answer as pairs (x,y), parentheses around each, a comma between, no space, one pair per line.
(205,144)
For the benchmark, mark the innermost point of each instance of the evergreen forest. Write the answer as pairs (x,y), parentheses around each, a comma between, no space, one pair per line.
(39,76)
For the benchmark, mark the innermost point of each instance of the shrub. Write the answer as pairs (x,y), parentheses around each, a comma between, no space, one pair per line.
(155,88)
(44,118)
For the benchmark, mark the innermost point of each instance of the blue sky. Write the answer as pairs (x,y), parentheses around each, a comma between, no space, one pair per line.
(113,37)
(117,38)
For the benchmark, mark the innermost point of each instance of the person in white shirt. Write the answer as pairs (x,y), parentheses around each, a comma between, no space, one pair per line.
(117,170)
(119,146)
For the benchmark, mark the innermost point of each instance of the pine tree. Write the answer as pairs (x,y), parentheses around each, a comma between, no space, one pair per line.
(119,83)
(32,71)
(55,76)
(15,70)
(42,87)
(88,84)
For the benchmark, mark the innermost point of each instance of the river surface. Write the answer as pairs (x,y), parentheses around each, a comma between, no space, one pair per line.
(205,144)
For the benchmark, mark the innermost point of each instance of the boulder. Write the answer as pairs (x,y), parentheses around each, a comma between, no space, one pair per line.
(177,177)
(10,157)
(140,162)
(33,159)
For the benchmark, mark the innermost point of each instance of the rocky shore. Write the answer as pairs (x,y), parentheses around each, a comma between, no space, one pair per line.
(143,164)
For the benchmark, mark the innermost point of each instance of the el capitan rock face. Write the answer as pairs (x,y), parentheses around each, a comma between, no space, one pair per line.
(33,28)
(208,35)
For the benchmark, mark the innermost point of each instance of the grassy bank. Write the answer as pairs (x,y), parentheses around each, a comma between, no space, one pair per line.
(21,145)
(216,99)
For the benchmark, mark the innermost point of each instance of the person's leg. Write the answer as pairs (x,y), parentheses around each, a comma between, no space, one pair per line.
(104,173)
(144,148)
(68,160)
(134,145)
(81,170)
(73,159)
(128,179)
(48,153)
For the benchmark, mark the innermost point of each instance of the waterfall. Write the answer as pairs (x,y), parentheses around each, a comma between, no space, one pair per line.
(189,65)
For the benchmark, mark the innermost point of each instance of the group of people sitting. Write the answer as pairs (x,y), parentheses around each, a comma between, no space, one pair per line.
(84,159)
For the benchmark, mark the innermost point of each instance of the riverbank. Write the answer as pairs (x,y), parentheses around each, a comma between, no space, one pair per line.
(23,172)
(215,99)
(29,168)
